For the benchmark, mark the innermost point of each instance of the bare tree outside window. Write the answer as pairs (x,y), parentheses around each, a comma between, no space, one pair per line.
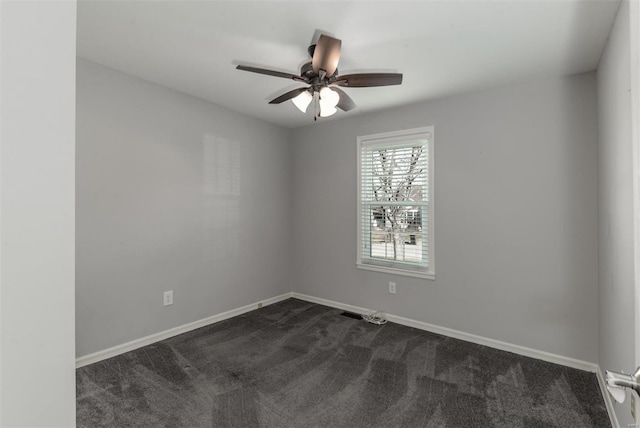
(395,185)
(396,177)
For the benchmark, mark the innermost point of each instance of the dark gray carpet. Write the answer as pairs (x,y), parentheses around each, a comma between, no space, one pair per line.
(298,364)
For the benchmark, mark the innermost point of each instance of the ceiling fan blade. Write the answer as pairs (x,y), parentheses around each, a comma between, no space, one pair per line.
(326,55)
(271,73)
(345,103)
(365,80)
(287,96)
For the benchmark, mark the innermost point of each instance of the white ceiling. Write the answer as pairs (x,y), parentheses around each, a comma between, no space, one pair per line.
(441,47)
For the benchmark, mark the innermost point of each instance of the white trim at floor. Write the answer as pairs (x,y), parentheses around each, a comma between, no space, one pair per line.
(456,334)
(497,344)
(492,343)
(607,399)
(157,337)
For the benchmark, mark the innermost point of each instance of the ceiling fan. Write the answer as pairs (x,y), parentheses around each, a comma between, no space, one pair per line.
(321,76)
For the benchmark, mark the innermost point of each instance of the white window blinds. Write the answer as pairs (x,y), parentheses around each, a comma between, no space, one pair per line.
(395,206)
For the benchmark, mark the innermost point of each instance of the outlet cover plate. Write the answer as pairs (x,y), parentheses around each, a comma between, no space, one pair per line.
(167,298)
(392,288)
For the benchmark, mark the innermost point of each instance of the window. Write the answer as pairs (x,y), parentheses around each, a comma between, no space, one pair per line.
(395,205)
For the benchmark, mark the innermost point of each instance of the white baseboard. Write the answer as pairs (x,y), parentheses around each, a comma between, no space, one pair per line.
(607,399)
(156,337)
(497,344)
(492,343)
(504,346)
(480,340)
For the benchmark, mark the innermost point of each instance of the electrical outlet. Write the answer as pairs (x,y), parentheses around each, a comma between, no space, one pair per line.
(167,298)
(392,288)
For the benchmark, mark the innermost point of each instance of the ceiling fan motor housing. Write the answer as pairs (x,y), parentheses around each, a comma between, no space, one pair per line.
(307,72)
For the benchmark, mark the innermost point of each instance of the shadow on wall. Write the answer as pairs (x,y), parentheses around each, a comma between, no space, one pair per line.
(220,199)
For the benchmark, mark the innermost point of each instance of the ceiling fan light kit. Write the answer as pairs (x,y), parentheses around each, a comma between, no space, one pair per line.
(328,101)
(302,101)
(321,74)
(327,111)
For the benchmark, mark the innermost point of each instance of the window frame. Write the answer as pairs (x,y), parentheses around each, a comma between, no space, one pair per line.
(400,138)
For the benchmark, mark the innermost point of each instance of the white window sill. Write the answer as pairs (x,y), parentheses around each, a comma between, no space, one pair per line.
(395,271)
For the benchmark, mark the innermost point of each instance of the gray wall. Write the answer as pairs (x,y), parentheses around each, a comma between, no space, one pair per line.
(515,215)
(173,193)
(615,190)
(37,370)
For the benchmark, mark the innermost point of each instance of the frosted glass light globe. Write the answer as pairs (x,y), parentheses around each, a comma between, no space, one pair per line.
(329,97)
(302,101)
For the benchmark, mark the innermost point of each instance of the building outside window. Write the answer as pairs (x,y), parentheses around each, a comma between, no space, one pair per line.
(395,205)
